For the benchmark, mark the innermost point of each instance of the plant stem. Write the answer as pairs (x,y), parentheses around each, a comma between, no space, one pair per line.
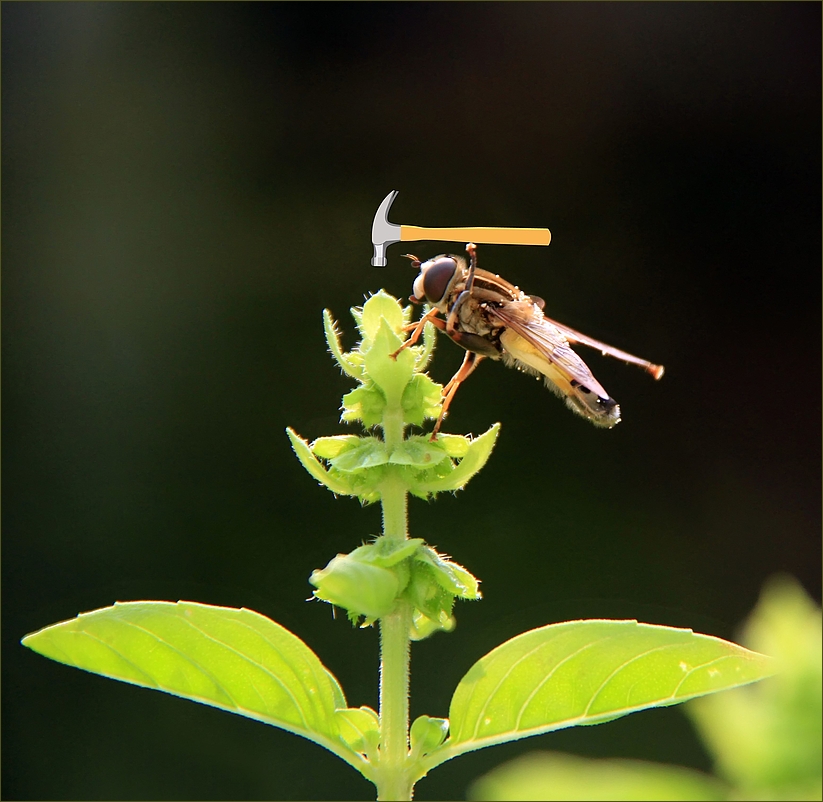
(392,426)
(393,781)
(394,500)
(392,778)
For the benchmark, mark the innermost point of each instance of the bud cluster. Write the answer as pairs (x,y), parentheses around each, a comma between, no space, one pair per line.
(392,387)
(370,581)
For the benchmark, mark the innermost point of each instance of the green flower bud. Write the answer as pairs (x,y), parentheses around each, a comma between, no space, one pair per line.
(450,576)
(390,374)
(368,581)
(359,729)
(358,587)
(378,308)
(365,403)
(427,734)
(423,626)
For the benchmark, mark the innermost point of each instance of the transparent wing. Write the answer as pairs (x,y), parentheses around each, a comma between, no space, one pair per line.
(575,337)
(535,344)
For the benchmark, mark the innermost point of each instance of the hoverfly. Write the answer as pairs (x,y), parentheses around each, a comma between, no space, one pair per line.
(494,319)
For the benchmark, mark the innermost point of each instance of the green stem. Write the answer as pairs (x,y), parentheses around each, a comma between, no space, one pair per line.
(393,782)
(392,778)
(394,500)
(393,426)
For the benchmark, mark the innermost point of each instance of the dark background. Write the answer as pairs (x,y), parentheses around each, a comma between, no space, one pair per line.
(187,186)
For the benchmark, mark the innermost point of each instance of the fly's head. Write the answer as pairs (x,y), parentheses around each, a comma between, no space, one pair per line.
(437,279)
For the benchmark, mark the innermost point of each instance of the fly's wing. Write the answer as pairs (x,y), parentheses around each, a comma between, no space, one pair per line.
(607,350)
(536,345)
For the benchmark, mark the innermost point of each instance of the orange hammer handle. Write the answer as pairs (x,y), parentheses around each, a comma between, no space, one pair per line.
(486,236)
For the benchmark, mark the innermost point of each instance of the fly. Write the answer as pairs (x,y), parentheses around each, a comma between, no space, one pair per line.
(494,319)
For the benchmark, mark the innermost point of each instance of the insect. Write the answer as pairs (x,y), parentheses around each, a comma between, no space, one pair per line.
(494,319)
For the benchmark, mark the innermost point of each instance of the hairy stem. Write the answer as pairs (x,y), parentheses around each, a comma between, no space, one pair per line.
(392,779)
(394,500)
(393,426)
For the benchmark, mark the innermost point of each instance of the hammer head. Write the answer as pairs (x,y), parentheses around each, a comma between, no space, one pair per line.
(383,233)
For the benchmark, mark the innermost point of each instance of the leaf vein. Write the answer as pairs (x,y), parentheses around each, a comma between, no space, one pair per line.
(620,668)
(321,680)
(191,660)
(549,676)
(490,695)
(248,659)
(120,654)
(699,668)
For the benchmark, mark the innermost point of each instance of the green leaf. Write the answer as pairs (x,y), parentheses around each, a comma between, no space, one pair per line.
(333,446)
(422,398)
(426,734)
(348,364)
(455,445)
(368,452)
(476,457)
(378,308)
(335,483)
(388,552)
(425,353)
(233,659)
(587,672)
(555,776)
(391,375)
(360,729)
(418,451)
(451,576)
(766,739)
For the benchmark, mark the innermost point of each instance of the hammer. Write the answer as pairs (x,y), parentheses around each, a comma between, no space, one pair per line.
(384,233)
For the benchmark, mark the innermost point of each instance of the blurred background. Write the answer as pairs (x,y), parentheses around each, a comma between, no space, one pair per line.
(187,186)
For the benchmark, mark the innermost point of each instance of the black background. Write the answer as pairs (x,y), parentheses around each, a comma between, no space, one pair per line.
(187,186)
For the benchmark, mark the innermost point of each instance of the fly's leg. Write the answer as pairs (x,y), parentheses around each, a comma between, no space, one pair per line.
(471,250)
(451,321)
(416,329)
(470,362)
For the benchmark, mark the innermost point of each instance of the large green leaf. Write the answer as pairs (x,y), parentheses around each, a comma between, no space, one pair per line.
(587,672)
(234,659)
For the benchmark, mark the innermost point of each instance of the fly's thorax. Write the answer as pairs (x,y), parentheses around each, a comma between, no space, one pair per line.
(474,317)
(490,287)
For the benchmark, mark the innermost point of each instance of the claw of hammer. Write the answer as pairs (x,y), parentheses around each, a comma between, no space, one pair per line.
(384,233)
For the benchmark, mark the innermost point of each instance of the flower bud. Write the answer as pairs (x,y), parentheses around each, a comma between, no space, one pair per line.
(356,586)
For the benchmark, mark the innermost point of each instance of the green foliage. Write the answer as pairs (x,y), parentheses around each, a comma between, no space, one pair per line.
(384,380)
(426,735)
(237,660)
(360,729)
(765,738)
(374,579)
(562,675)
(587,672)
(556,777)
(357,466)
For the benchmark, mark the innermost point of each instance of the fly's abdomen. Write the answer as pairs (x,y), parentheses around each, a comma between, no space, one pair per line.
(565,374)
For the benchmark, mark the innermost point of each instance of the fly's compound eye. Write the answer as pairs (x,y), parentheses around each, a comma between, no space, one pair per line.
(434,279)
